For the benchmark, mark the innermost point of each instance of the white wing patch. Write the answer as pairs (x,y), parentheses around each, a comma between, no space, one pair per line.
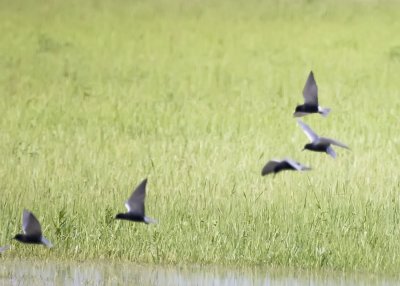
(128,207)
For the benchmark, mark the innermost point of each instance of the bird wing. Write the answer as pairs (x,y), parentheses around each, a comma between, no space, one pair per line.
(269,167)
(312,136)
(30,224)
(331,152)
(333,142)
(296,165)
(135,203)
(310,91)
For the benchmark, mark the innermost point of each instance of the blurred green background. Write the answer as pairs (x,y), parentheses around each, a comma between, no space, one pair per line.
(198,96)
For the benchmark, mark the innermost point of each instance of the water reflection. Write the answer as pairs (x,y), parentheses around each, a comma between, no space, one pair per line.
(16,272)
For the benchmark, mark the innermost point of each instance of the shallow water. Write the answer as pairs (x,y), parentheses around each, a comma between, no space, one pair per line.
(17,272)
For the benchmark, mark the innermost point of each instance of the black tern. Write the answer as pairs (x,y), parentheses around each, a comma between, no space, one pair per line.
(310,94)
(135,206)
(275,166)
(4,248)
(319,144)
(32,230)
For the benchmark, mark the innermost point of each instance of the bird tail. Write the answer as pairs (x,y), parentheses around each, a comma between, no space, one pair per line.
(148,220)
(331,152)
(4,248)
(46,242)
(323,111)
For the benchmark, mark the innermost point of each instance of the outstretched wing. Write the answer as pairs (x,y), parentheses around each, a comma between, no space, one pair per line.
(312,136)
(135,204)
(333,142)
(269,167)
(297,165)
(310,91)
(30,224)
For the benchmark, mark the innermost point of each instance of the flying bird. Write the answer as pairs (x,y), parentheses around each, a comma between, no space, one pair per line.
(275,166)
(32,231)
(310,94)
(135,206)
(4,248)
(319,144)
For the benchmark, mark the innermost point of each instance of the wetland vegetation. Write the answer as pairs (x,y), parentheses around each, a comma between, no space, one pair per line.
(197,96)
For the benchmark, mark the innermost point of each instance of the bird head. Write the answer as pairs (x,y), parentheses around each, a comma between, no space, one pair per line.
(18,237)
(119,216)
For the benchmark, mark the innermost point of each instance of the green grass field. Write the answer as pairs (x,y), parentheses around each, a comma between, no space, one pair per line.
(198,96)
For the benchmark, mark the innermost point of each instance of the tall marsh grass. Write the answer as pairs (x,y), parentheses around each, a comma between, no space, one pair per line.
(197,96)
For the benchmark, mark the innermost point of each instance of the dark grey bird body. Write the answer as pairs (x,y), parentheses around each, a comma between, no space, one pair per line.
(276,166)
(131,217)
(310,94)
(135,206)
(319,144)
(306,108)
(317,147)
(32,231)
(31,239)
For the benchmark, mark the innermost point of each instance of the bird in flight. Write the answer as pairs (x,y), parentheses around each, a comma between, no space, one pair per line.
(276,166)
(319,144)
(310,94)
(135,206)
(32,231)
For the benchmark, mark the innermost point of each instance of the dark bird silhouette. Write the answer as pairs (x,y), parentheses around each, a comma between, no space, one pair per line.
(310,94)
(135,206)
(4,248)
(32,231)
(319,144)
(275,166)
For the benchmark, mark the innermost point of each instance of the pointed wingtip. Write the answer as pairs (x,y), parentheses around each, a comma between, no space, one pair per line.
(142,185)
(144,181)
(4,248)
